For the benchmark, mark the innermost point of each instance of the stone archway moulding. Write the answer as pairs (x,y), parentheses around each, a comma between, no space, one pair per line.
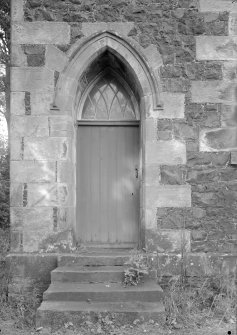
(85,51)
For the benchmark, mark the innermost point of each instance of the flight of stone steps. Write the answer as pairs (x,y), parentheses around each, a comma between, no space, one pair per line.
(85,286)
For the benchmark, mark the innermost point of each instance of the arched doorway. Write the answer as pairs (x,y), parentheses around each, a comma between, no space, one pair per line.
(108,184)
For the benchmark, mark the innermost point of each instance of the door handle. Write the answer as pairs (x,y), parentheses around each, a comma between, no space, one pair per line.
(136,173)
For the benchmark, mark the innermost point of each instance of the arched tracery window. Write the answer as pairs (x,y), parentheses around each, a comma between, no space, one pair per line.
(108,100)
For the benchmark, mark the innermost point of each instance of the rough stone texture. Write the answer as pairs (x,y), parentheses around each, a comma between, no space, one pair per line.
(218,6)
(40,33)
(156,153)
(173,106)
(216,48)
(30,79)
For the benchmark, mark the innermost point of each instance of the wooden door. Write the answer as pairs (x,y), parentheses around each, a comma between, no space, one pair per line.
(108,184)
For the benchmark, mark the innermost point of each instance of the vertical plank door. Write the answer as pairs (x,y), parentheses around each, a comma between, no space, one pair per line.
(107,184)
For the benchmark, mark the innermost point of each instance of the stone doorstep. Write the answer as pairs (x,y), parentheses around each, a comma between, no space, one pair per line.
(85,286)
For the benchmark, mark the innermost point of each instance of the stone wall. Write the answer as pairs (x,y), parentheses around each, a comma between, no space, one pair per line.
(191,143)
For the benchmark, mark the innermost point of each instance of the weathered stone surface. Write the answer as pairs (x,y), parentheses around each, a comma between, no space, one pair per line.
(41,102)
(16,194)
(61,126)
(30,79)
(172,175)
(16,147)
(173,106)
(41,33)
(168,240)
(18,103)
(53,148)
(18,58)
(17,10)
(65,172)
(218,139)
(48,195)
(151,129)
(35,126)
(183,131)
(168,196)
(216,47)
(55,59)
(233,24)
(122,27)
(218,6)
(152,175)
(234,157)
(33,171)
(213,91)
(156,153)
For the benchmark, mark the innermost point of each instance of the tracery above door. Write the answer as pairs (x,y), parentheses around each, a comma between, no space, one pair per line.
(109,100)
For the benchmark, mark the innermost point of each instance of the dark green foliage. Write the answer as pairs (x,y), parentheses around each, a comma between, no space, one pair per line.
(4,191)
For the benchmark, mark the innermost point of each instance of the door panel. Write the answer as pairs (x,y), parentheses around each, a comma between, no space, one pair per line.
(107,187)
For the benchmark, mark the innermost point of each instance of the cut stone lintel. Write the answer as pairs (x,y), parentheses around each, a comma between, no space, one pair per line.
(57,33)
(216,47)
(122,27)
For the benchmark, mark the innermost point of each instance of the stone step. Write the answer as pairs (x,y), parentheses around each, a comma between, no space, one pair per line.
(91,259)
(55,314)
(88,274)
(111,292)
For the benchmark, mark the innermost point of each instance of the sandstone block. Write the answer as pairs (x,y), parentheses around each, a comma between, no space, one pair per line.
(218,6)
(222,139)
(30,79)
(153,56)
(18,58)
(17,10)
(18,103)
(30,126)
(216,47)
(41,33)
(168,196)
(233,24)
(123,28)
(55,59)
(16,147)
(16,194)
(38,225)
(53,148)
(169,240)
(48,195)
(41,102)
(173,106)
(17,217)
(152,175)
(64,172)
(61,126)
(33,171)
(165,153)
(151,129)
(234,157)
(213,91)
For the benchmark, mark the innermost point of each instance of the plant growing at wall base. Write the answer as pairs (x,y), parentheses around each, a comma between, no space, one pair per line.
(136,268)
